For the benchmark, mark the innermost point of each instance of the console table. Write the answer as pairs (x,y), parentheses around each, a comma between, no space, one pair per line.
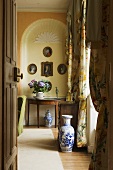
(45,101)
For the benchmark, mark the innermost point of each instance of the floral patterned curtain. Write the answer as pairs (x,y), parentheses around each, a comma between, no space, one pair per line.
(79,64)
(97,34)
(83,88)
(83,83)
(99,90)
(69,95)
(69,49)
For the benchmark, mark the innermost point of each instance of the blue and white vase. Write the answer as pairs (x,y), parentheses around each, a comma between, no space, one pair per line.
(66,135)
(48,119)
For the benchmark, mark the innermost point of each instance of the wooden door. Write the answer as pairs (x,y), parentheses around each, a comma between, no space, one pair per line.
(1,58)
(9,87)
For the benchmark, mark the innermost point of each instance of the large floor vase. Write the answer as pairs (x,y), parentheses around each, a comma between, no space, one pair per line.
(66,135)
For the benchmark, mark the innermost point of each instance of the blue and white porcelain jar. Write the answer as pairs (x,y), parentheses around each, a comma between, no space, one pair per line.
(48,119)
(66,135)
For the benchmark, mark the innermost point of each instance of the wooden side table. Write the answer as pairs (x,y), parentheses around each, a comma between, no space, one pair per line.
(38,102)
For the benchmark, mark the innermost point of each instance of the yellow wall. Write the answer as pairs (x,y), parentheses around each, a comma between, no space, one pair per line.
(24,19)
(35,55)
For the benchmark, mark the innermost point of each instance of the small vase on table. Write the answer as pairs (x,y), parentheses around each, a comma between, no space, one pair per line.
(40,95)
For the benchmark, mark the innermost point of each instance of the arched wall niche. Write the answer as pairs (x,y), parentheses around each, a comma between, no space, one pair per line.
(42,33)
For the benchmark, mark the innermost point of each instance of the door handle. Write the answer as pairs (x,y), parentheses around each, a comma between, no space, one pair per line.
(17,74)
(21,75)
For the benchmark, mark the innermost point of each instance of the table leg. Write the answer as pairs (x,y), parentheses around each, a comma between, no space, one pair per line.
(38,116)
(28,114)
(56,114)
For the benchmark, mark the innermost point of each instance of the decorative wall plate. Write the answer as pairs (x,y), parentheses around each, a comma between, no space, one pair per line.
(32,69)
(47,51)
(62,69)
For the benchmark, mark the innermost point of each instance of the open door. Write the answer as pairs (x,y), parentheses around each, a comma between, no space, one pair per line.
(9,137)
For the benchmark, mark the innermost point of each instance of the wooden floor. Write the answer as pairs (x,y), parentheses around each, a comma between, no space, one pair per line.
(77,160)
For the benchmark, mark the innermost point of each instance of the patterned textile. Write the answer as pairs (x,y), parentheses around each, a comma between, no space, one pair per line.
(80,77)
(98,84)
(99,91)
(69,51)
(69,96)
(81,127)
(94,17)
(77,6)
(83,93)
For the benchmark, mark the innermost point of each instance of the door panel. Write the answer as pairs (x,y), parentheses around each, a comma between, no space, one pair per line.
(8,26)
(14,30)
(14,117)
(10,88)
(7,122)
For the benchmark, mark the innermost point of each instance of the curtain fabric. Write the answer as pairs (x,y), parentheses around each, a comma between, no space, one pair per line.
(83,83)
(69,49)
(84,92)
(94,18)
(76,36)
(80,69)
(69,95)
(99,91)
(97,34)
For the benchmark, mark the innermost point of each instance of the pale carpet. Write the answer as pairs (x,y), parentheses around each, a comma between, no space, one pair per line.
(37,150)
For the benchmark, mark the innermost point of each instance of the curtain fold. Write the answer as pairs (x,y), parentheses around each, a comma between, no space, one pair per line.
(69,49)
(94,18)
(97,34)
(80,65)
(83,93)
(98,87)
(70,95)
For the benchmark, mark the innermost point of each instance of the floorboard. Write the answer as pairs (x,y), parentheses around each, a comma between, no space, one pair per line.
(77,160)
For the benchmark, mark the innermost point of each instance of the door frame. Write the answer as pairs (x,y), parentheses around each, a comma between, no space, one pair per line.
(1,78)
